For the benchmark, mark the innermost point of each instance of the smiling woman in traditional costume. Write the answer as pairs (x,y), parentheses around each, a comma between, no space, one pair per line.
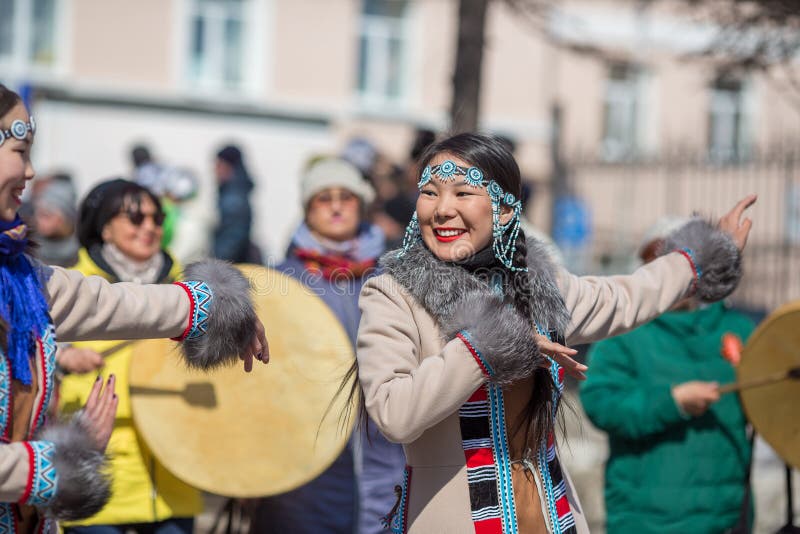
(461,347)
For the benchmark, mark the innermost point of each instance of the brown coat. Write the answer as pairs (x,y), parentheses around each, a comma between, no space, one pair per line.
(414,383)
(81,308)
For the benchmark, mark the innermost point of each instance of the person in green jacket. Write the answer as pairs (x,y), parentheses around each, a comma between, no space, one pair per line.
(679,452)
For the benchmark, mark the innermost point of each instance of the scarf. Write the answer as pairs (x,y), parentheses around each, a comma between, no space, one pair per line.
(24,307)
(333,267)
(338,260)
(128,270)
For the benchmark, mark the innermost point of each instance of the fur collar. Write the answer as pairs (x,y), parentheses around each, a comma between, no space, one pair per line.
(439,286)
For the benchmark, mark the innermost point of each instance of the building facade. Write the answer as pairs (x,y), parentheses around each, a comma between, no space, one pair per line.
(289,78)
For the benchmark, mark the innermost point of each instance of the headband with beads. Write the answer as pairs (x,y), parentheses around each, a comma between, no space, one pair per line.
(19,130)
(504,236)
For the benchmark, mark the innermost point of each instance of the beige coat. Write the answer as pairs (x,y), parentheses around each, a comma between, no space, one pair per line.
(414,383)
(81,308)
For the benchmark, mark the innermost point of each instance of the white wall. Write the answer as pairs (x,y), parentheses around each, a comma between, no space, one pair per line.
(93,142)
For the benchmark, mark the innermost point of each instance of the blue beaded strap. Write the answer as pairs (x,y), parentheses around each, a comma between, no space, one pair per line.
(689,255)
(5,399)
(399,524)
(466,337)
(696,265)
(42,477)
(502,459)
(201,298)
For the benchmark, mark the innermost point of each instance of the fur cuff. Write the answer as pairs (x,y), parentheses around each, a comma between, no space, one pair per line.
(228,328)
(718,259)
(502,338)
(84,485)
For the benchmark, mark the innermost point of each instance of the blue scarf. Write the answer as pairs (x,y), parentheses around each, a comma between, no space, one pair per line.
(23,307)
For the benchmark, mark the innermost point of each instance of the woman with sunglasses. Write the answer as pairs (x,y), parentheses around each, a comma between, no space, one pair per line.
(120,230)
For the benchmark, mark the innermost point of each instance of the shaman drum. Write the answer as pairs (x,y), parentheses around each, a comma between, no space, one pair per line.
(258,434)
(773,350)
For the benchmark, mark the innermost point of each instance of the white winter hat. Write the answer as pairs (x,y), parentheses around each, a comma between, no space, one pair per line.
(334,172)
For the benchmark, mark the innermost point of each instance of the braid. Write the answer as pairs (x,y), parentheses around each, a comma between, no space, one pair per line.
(520,283)
(537,418)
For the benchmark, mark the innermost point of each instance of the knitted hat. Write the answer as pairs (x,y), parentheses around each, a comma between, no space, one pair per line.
(334,172)
(59,196)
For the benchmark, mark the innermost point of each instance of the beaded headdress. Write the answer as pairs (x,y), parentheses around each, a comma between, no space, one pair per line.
(19,130)
(504,236)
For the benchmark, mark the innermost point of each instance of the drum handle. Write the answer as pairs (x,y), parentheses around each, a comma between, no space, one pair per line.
(793,374)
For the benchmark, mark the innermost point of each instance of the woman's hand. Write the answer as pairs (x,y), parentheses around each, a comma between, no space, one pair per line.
(258,348)
(79,361)
(733,224)
(97,416)
(562,355)
(695,397)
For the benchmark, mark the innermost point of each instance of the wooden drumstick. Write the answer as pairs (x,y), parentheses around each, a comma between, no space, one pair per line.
(791,374)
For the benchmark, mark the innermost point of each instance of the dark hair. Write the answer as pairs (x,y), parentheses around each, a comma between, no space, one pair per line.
(140,155)
(232,155)
(8,99)
(105,202)
(423,138)
(492,156)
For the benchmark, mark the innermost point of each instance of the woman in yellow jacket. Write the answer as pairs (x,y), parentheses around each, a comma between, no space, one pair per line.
(120,230)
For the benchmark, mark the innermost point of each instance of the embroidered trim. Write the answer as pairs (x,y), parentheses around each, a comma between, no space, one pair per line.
(466,337)
(42,476)
(400,519)
(47,526)
(7,519)
(47,355)
(476,441)
(201,298)
(502,459)
(5,403)
(689,255)
(555,487)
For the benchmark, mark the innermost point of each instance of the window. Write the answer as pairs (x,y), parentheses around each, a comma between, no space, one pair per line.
(727,134)
(27,33)
(622,112)
(217,43)
(382,51)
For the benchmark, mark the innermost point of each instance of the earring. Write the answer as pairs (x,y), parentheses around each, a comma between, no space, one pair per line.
(504,236)
(412,235)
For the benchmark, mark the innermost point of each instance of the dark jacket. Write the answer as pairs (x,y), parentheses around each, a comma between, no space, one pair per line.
(232,234)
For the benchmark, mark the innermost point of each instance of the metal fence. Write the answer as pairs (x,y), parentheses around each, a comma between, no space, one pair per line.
(625,199)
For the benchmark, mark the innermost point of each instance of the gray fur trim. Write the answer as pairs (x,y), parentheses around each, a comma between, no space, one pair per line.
(547,303)
(230,327)
(717,257)
(459,300)
(84,484)
(438,285)
(435,284)
(502,336)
